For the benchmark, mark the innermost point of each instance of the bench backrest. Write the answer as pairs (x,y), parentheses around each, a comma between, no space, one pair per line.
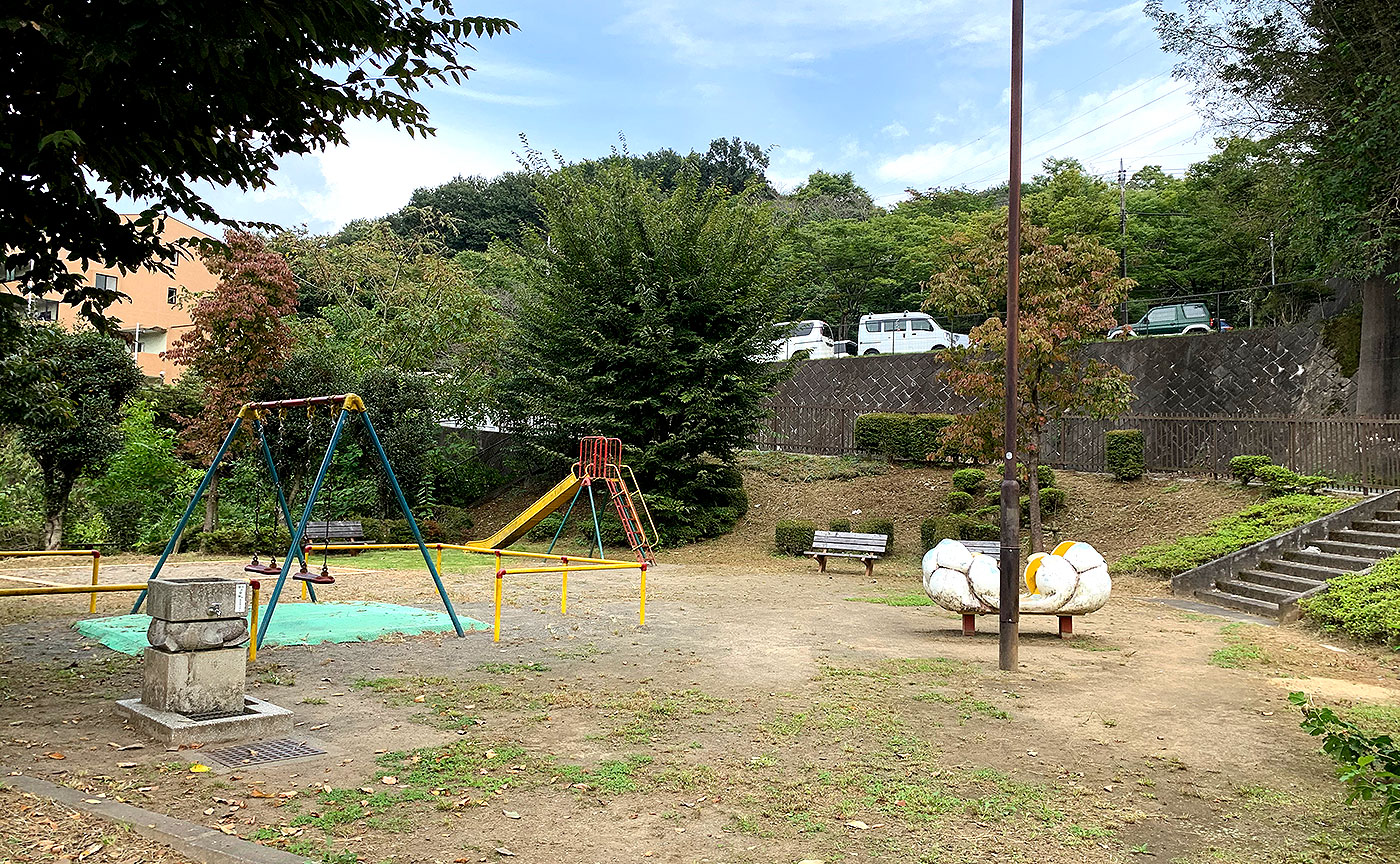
(990,548)
(850,541)
(346,530)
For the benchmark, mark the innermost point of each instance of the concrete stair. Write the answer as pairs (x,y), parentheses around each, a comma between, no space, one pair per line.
(1272,589)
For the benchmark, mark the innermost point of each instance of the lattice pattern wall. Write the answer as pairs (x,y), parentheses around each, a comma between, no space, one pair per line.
(1277,372)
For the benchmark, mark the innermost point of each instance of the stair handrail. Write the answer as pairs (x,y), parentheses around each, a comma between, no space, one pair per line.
(656,535)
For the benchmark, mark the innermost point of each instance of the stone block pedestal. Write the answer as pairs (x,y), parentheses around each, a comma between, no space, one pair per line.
(195,682)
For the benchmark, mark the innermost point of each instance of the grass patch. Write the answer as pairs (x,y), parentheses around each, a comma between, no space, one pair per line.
(1239,651)
(1373,719)
(1365,606)
(1228,534)
(968,707)
(910,599)
(511,668)
(802,468)
(612,777)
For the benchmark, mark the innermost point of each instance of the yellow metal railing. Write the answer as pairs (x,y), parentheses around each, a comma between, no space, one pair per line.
(96,571)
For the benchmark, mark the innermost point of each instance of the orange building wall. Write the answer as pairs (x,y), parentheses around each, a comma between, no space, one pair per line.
(146,309)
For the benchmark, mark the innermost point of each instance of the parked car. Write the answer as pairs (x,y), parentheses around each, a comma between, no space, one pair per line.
(805,339)
(1172,320)
(904,333)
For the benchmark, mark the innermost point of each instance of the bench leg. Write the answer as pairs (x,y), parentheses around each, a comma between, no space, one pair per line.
(869,568)
(1066,626)
(821,563)
(969,625)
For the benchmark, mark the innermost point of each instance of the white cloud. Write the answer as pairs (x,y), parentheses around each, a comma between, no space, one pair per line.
(709,91)
(1147,121)
(380,167)
(895,130)
(797,155)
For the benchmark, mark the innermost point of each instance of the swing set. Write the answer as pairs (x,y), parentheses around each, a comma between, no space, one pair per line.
(599,460)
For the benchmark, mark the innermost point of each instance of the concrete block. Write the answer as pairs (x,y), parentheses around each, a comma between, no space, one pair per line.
(197,598)
(197,635)
(260,720)
(194,682)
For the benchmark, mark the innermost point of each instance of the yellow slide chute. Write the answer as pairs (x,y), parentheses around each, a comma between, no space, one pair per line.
(547,503)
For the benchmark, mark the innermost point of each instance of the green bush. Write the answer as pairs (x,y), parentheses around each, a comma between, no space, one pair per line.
(931,530)
(1045,476)
(703,501)
(878,526)
(793,536)
(223,541)
(839,525)
(972,530)
(1052,500)
(1277,479)
(959,502)
(545,529)
(1228,534)
(387,531)
(455,523)
(1243,468)
(1368,764)
(915,437)
(1365,606)
(970,480)
(1312,483)
(1124,452)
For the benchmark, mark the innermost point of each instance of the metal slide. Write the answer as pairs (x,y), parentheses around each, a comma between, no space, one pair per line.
(533,515)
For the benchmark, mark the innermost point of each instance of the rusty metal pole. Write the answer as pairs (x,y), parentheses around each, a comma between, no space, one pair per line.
(1010,602)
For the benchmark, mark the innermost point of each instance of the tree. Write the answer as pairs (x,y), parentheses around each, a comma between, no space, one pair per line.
(151,100)
(640,315)
(238,341)
(94,374)
(1068,295)
(831,196)
(735,164)
(1319,79)
(480,211)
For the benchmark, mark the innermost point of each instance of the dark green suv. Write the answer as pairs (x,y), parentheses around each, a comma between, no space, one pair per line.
(1170,321)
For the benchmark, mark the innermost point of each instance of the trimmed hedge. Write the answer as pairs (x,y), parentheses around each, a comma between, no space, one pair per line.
(1243,468)
(970,480)
(930,532)
(1363,605)
(1052,499)
(971,530)
(839,525)
(876,525)
(793,536)
(914,437)
(959,502)
(1125,453)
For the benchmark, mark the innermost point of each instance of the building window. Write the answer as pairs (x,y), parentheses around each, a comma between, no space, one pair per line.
(106,283)
(172,295)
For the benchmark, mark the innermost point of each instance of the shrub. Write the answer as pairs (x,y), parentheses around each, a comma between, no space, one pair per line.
(455,523)
(1045,476)
(878,526)
(222,541)
(1243,468)
(1277,479)
(1365,606)
(931,530)
(971,530)
(1228,534)
(1312,483)
(387,530)
(703,501)
(969,480)
(793,536)
(1124,451)
(959,502)
(1368,764)
(1052,500)
(916,437)
(839,525)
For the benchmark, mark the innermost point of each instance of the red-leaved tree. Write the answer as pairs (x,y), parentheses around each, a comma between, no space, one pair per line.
(239,340)
(1068,295)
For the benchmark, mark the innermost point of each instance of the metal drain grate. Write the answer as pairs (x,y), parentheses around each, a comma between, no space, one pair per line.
(264,751)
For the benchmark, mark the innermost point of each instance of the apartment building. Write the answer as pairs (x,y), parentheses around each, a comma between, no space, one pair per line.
(155,310)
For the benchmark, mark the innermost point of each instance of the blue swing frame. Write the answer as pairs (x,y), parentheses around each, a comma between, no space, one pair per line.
(348,404)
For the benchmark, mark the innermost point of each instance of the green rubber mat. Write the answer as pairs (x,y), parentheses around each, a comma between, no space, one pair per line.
(297,624)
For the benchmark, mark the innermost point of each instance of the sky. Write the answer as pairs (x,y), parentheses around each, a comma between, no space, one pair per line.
(903,93)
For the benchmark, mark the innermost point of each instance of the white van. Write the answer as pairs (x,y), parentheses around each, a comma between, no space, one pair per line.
(904,333)
(810,339)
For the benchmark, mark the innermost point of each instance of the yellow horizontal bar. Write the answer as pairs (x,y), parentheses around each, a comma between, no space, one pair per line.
(572,569)
(67,589)
(49,552)
(476,550)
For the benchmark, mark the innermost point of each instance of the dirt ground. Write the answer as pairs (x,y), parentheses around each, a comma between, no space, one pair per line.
(763,714)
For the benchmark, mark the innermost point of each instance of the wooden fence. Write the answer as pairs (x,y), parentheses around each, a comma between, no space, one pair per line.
(1361,450)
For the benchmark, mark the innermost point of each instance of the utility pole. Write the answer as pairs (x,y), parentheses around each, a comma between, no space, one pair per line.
(1123,228)
(1010,594)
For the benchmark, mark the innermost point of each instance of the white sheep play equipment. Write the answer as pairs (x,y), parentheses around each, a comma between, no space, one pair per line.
(1072,580)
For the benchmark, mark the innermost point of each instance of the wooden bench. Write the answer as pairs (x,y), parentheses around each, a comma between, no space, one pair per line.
(992,549)
(349,531)
(848,544)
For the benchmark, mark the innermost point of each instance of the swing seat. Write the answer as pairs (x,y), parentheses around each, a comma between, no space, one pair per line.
(314,578)
(263,569)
